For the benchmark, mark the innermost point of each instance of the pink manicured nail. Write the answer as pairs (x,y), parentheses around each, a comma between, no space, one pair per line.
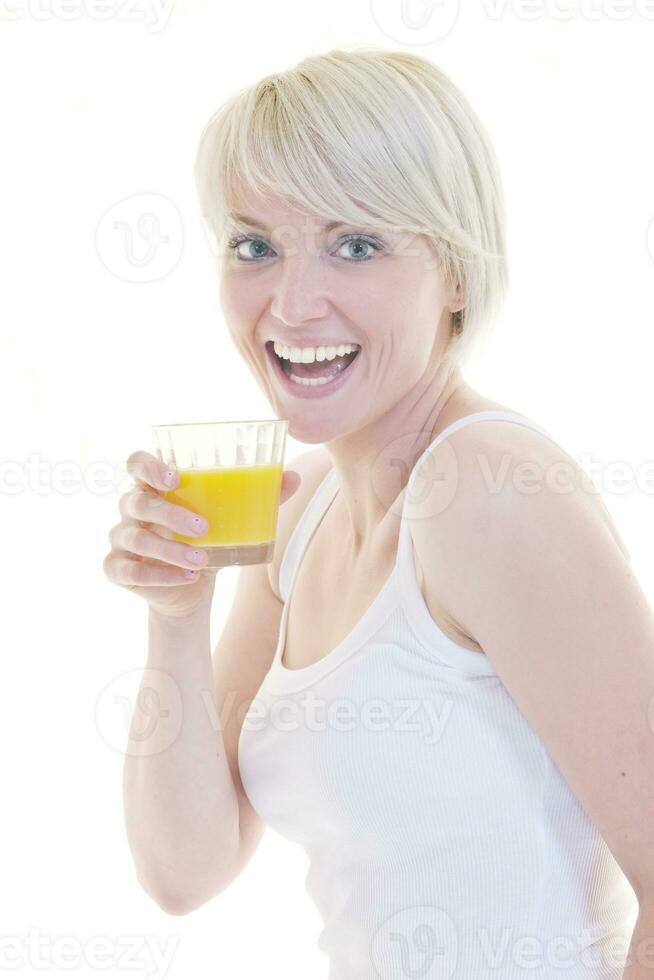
(195,556)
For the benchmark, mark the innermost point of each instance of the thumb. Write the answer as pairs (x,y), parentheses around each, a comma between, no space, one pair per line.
(291,480)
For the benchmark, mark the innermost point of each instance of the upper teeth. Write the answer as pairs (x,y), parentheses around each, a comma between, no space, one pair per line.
(306,355)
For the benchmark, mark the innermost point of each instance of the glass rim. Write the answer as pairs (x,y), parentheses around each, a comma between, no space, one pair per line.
(178,425)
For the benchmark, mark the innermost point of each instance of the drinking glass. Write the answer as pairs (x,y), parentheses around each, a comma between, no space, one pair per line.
(231,474)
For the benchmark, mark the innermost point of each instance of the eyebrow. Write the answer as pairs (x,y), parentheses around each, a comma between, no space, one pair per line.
(244,219)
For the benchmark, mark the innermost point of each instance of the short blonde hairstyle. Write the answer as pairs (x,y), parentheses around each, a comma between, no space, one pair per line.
(370,136)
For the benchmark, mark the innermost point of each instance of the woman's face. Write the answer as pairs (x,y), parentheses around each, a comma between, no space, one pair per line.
(287,278)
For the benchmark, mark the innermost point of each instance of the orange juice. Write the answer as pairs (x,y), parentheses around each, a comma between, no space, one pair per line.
(241,505)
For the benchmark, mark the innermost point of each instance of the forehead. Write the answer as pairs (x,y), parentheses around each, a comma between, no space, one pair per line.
(269,211)
(241,197)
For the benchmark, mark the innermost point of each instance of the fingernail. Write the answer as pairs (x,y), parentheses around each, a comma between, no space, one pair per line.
(198,525)
(169,478)
(195,556)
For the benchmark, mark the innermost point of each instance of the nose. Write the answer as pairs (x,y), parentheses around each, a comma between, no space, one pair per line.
(299,294)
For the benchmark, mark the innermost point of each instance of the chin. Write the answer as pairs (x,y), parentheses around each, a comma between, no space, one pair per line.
(314,432)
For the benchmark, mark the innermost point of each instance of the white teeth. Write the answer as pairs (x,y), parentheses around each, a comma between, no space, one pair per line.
(310,382)
(307,355)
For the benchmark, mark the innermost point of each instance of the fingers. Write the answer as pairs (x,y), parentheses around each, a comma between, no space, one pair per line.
(146,505)
(143,552)
(291,480)
(147,469)
(146,542)
(132,571)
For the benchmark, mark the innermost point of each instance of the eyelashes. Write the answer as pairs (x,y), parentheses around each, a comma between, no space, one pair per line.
(239,240)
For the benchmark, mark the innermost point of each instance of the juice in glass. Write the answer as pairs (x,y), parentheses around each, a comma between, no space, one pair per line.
(231,474)
(241,505)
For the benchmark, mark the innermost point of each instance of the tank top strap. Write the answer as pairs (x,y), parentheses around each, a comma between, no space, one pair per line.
(328,488)
(303,531)
(405,546)
(466,661)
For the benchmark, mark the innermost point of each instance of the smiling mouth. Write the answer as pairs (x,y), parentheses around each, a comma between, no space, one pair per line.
(315,369)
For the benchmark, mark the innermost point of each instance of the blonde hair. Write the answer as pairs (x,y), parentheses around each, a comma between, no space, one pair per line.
(370,136)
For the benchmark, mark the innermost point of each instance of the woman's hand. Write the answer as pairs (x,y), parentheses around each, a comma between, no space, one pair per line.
(144,557)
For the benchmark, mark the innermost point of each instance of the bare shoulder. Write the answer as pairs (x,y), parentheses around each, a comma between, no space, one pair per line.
(455,476)
(501,459)
(497,459)
(484,470)
(313,466)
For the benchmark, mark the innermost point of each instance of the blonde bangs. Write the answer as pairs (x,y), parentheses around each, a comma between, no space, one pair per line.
(367,137)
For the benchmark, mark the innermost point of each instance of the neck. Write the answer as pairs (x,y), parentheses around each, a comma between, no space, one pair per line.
(374,463)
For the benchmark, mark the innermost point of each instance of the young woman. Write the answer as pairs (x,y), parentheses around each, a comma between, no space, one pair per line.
(448,663)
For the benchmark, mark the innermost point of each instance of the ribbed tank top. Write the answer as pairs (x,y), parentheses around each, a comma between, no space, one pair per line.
(443,841)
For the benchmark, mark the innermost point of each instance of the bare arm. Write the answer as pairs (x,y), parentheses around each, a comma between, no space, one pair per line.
(190,826)
(180,806)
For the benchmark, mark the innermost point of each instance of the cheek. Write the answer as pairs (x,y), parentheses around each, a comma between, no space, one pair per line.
(239,305)
(231,298)
(379,310)
(404,292)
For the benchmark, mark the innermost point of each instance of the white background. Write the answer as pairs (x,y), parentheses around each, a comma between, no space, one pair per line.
(104,102)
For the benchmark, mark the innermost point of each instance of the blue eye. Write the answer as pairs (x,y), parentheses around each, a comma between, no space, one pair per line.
(235,243)
(360,239)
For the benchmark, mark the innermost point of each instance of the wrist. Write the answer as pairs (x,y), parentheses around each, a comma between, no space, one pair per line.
(164,619)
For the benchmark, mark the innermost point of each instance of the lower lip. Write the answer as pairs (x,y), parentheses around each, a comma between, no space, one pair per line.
(312,391)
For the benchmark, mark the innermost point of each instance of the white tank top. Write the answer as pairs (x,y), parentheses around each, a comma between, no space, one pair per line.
(443,841)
